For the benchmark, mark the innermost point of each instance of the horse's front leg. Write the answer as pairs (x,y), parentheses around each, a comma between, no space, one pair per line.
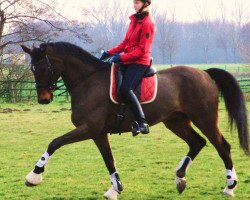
(103,145)
(79,134)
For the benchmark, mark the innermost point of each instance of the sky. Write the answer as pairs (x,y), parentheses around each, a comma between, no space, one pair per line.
(186,10)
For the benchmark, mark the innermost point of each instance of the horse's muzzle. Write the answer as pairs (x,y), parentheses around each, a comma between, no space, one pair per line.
(44,96)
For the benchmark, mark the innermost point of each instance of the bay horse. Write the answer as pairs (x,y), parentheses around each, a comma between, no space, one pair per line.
(185,95)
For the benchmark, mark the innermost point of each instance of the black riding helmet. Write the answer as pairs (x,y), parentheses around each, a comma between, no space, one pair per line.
(146,3)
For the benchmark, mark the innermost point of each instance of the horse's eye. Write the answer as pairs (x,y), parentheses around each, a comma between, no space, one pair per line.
(33,68)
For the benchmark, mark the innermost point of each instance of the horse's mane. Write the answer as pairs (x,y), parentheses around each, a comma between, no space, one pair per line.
(66,48)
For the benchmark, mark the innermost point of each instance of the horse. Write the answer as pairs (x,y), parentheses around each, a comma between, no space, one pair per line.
(185,95)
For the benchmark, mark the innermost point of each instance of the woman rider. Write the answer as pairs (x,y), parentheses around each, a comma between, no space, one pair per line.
(135,53)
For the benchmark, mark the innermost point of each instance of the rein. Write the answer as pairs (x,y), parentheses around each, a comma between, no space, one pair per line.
(52,85)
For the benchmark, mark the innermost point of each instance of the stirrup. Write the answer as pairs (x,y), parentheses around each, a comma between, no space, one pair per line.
(144,128)
(137,129)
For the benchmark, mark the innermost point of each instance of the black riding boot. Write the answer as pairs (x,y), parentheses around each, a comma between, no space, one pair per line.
(140,125)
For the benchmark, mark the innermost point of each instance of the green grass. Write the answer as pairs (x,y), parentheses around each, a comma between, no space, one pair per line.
(234,68)
(240,71)
(146,163)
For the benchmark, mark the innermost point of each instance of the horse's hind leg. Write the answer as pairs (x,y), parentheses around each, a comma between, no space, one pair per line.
(223,148)
(181,126)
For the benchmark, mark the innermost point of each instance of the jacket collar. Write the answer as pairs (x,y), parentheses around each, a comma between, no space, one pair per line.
(134,19)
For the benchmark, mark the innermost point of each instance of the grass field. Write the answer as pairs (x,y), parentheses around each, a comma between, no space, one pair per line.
(146,163)
(233,68)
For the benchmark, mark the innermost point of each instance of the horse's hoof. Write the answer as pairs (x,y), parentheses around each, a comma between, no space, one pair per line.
(228,192)
(111,194)
(180,184)
(33,179)
(29,184)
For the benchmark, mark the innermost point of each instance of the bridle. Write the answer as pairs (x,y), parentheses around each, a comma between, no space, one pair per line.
(52,83)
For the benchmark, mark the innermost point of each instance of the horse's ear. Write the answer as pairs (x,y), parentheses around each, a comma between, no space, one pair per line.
(26,49)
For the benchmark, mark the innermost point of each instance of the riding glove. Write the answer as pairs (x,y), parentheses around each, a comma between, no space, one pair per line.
(116,58)
(105,55)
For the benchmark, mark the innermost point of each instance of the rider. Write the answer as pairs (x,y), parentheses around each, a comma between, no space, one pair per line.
(135,53)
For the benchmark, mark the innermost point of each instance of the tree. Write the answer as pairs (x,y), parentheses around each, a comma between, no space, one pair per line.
(19,20)
(222,33)
(24,21)
(167,34)
(107,22)
(240,16)
(204,34)
(245,48)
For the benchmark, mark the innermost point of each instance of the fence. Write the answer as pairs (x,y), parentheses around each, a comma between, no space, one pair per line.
(19,91)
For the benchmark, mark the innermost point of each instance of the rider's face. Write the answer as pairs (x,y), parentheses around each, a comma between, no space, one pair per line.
(138,5)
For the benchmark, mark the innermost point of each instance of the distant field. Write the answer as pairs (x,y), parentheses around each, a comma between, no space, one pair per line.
(77,172)
(240,71)
(235,68)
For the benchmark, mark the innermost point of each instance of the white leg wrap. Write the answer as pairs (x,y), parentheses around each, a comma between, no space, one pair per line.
(180,179)
(231,178)
(36,179)
(43,160)
(182,162)
(115,182)
(115,189)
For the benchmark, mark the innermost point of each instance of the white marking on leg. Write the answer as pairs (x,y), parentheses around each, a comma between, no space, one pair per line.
(181,181)
(231,176)
(182,162)
(115,189)
(36,179)
(231,180)
(43,160)
(115,181)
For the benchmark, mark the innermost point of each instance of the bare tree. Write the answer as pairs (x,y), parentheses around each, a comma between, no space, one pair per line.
(19,19)
(222,33)
(28,21)
(204,34)
(107,22)
(167,34)
(241,16)
(245,48)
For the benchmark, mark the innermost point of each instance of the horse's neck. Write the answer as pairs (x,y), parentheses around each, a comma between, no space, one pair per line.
(75,73)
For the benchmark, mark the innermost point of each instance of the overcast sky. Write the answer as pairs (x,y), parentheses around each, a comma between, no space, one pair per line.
(185,9)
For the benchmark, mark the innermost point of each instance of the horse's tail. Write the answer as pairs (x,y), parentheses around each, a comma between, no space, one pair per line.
(235,103)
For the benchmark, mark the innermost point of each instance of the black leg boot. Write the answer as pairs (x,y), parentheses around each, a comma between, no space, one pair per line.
(140,125)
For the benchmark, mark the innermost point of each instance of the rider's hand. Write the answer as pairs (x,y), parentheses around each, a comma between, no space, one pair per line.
(105,55)
(116,58)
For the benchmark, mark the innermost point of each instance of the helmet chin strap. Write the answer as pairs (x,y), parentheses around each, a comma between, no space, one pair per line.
(144,6)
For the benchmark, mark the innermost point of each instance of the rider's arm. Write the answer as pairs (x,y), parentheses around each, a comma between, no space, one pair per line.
(119,48)
(143,46)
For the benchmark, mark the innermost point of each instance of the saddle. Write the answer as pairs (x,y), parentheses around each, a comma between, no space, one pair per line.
(146,91)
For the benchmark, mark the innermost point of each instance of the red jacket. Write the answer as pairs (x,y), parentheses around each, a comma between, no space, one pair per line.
(136,46)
